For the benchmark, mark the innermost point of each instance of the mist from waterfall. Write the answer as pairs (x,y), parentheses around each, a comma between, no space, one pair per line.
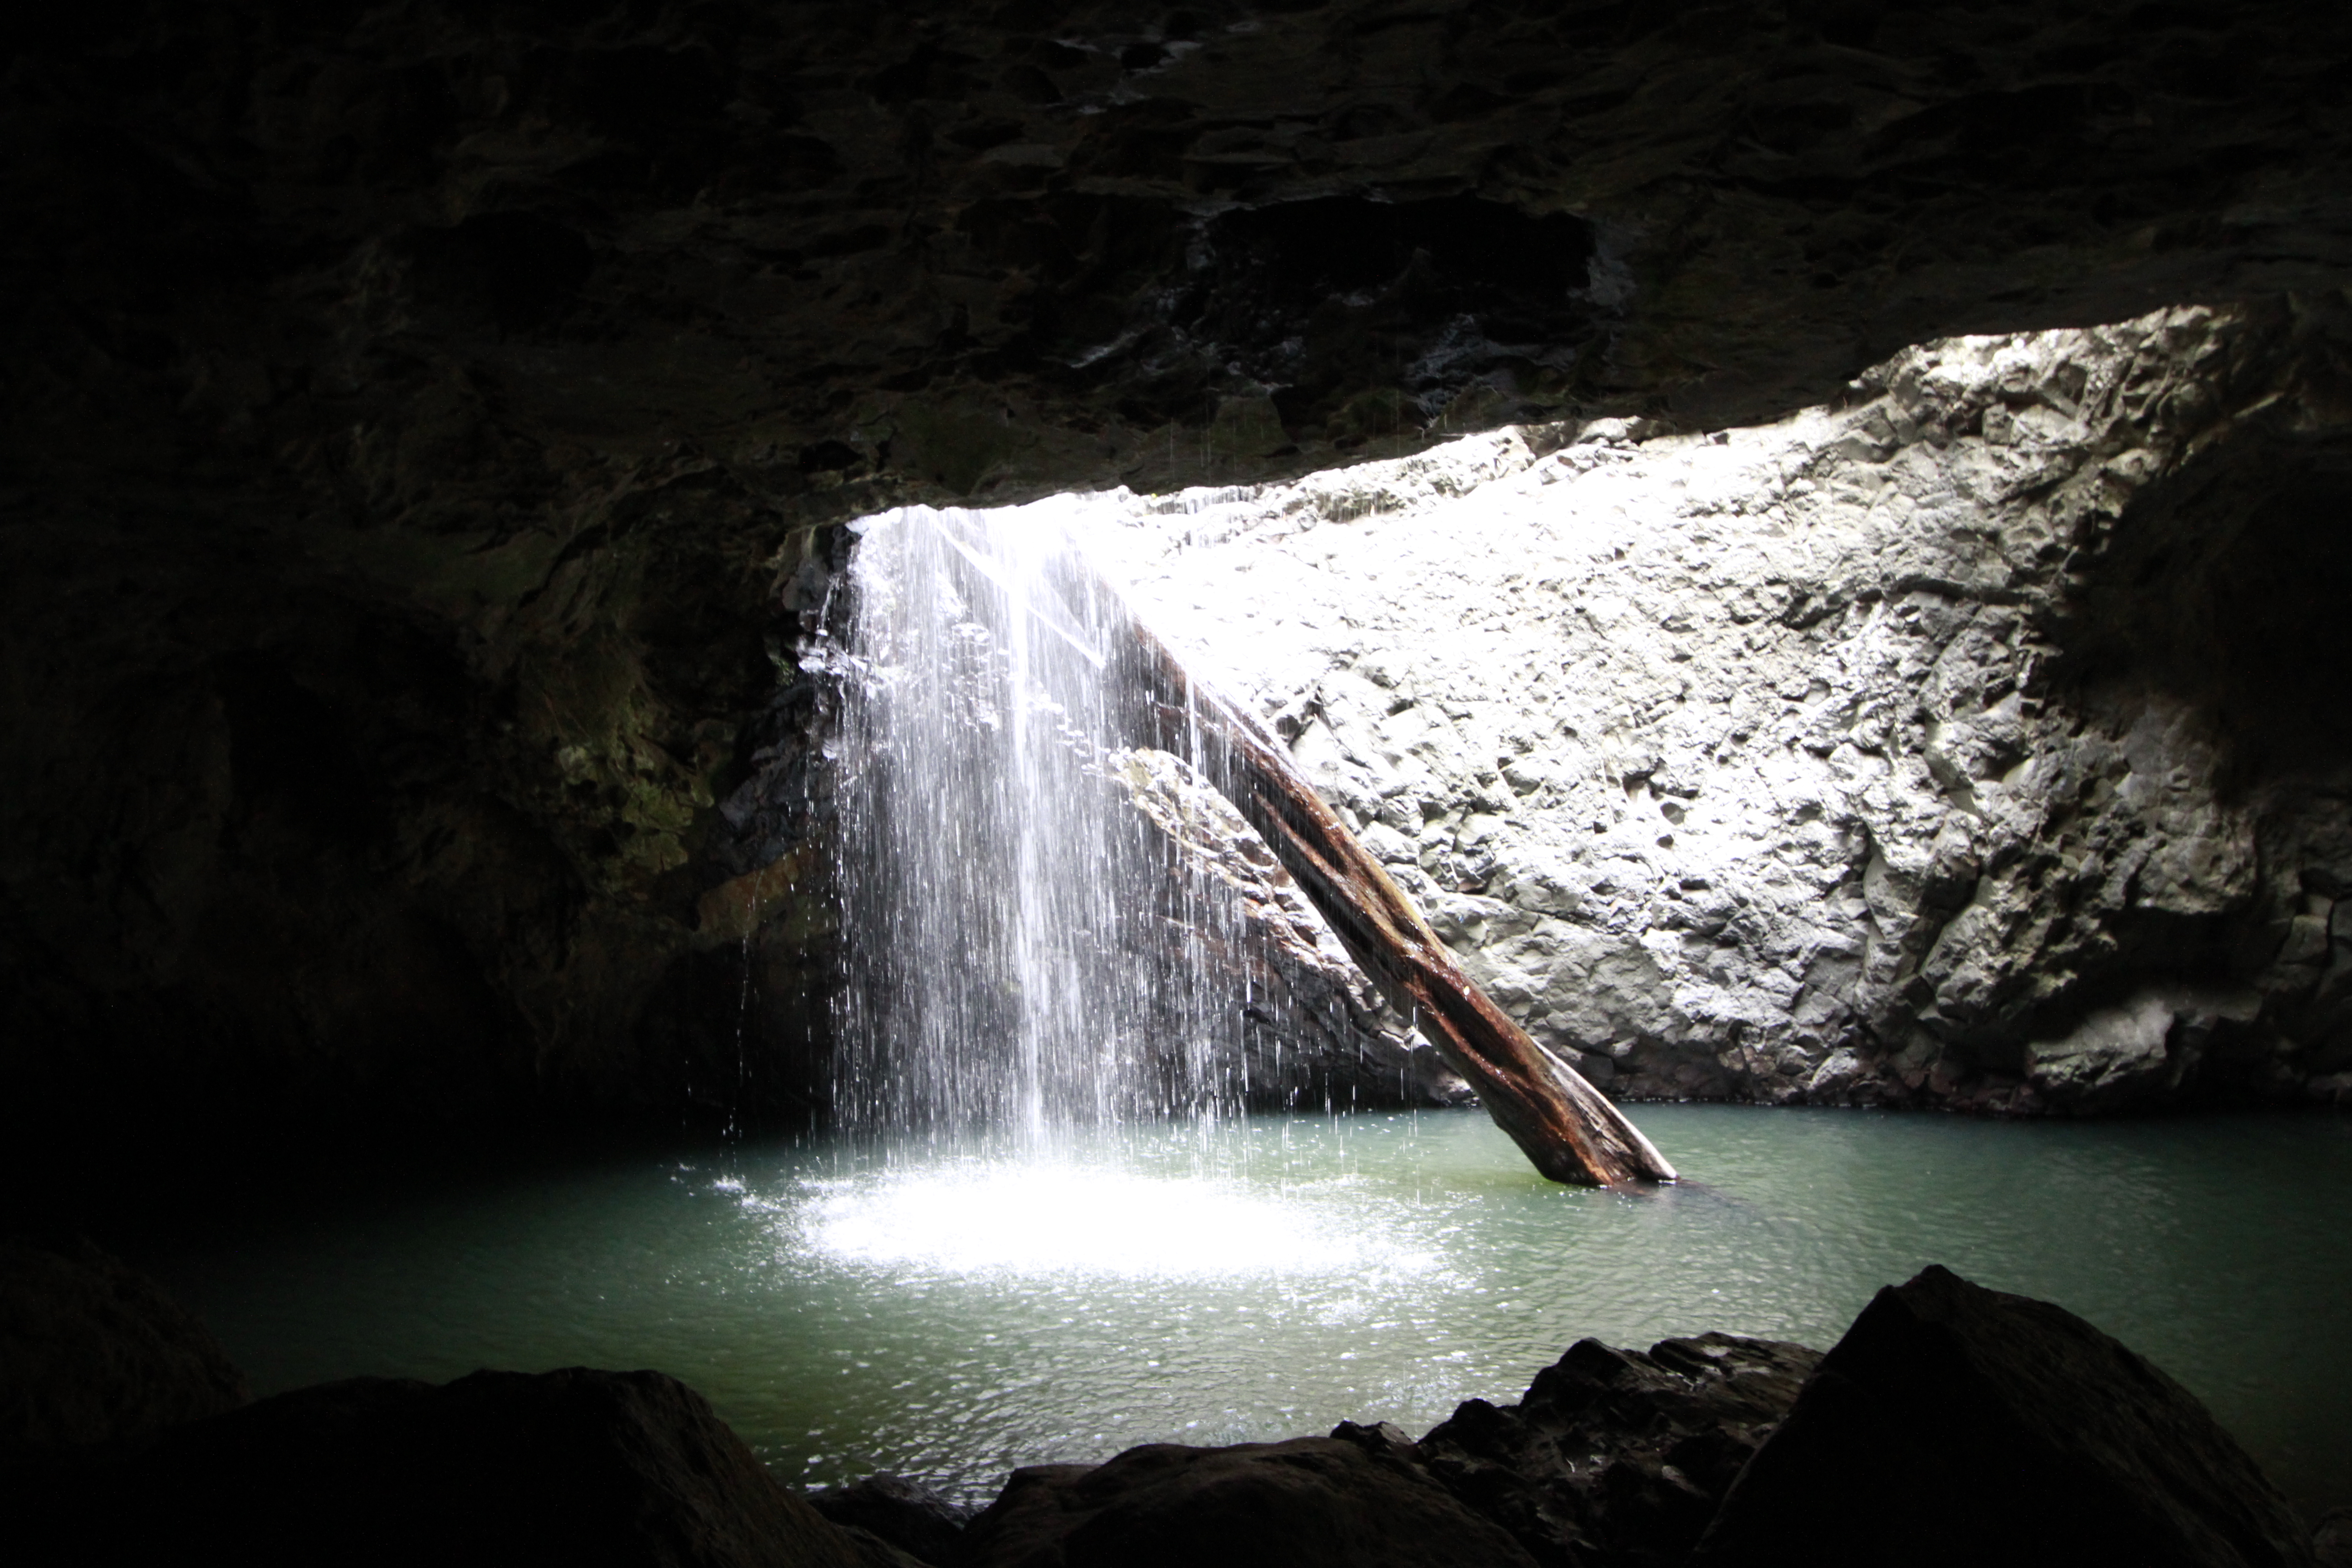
(1026,949)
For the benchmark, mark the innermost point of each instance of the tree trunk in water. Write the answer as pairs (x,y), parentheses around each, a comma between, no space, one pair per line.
(1569,1130)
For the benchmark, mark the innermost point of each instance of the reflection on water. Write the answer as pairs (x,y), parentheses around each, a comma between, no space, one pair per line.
(951,1310)
(1094,1220)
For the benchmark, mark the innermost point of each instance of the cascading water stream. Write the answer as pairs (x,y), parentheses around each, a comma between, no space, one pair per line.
(1026,945)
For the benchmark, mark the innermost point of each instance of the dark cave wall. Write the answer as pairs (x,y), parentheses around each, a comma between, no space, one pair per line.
(2221,591)
(324,853)
(417,421)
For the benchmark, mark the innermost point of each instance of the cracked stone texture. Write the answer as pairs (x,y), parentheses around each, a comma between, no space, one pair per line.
(1617,1459)
(420,423)
(1315,1031)
(1795,763)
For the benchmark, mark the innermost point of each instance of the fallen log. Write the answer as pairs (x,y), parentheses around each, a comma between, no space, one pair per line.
(1569,1129)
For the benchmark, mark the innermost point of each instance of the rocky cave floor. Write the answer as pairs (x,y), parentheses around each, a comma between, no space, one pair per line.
(1950,1424)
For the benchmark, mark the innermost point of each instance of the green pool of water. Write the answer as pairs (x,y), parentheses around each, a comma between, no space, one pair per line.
(951,1311)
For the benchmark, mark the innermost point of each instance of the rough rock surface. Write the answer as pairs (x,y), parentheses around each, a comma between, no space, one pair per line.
(1305,1504)
(1317,1031)
(1617,1459)
(415,420)
(500,1467)
(93,1352)
(908,1515)
(1955,746)
(1955,1425)
(2331,1544)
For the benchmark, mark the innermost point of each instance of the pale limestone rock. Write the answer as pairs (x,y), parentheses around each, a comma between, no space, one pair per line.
(1733,766)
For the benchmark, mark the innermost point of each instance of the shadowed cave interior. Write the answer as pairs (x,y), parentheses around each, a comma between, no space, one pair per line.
(1807,540)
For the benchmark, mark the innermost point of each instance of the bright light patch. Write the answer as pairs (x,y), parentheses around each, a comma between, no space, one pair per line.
(1066,1219)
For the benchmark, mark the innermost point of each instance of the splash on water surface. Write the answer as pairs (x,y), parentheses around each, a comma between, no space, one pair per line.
(1060,1217)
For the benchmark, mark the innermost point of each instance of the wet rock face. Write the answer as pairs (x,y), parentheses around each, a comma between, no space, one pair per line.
(1798,762)
(415,425)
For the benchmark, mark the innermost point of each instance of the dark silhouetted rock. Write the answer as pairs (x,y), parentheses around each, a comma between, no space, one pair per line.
(1616,1456)
(873,1552)
(1381,1439)
(907,1514)
(1306,1503)
(93,1352)
(2331,1544)
(574,1467)
(1955,1425)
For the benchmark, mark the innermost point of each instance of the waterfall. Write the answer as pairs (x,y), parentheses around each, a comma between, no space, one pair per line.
(1026,949)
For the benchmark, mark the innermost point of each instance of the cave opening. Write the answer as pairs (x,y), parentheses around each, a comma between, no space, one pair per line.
(1729,763)
(440,842)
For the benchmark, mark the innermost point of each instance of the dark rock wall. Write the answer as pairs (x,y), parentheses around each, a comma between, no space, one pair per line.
(2069,1446)
(571,1466)
(414,421)
(93,1352)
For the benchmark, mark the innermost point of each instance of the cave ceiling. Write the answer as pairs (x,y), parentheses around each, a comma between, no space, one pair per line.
(1009,246)
(413,411)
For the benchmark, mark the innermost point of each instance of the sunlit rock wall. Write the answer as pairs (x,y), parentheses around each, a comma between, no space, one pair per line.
(1835,760)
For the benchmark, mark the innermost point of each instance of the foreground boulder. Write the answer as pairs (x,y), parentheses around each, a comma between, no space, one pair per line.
(1617,1456)
(2331,1544)
(1310,1502)
(573,1467)
(908,1515)
(93,1352)
(1954,1424)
